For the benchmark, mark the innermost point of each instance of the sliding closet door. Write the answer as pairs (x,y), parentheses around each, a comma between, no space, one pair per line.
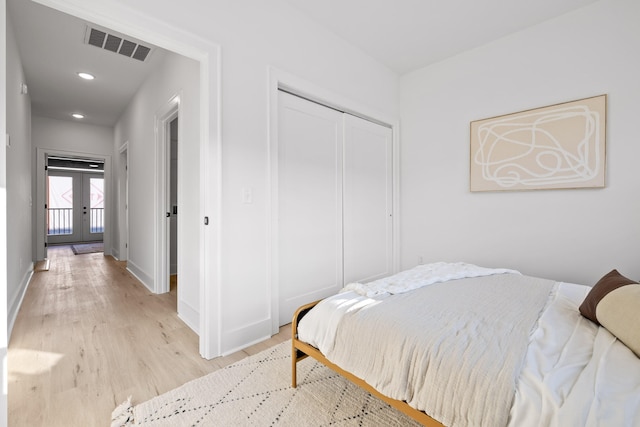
(309,203)
(368,222)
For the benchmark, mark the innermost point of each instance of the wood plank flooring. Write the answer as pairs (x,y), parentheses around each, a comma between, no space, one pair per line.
(88,335)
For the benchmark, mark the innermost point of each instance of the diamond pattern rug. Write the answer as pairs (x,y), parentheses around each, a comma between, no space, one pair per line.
(256,391)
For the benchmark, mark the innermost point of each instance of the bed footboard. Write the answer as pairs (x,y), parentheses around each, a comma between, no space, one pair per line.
(297,353)
(301,350)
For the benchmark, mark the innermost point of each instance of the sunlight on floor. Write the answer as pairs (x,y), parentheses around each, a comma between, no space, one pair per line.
(32,362)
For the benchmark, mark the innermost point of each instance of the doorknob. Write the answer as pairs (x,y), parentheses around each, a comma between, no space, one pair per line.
(168,214)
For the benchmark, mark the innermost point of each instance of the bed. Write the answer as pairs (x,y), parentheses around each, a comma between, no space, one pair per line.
(455,344)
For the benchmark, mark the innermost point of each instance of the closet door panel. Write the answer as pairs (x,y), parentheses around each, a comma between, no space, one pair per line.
(309,203)
(368,222)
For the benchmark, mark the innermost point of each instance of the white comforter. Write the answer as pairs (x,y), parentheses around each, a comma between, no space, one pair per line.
(575,373)
(422,275)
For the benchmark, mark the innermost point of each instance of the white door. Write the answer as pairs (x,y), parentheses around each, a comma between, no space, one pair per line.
(368,203)
(309,203)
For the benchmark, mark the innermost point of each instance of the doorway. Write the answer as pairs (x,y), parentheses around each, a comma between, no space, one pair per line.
(173,204)
(166,252)
(75,207)
(198,242)
(48,162)
(122,226)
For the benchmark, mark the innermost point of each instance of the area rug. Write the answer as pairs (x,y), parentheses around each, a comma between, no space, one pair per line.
(87,248)
(257,391)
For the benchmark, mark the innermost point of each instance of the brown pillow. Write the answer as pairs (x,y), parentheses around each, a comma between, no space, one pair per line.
(609,282)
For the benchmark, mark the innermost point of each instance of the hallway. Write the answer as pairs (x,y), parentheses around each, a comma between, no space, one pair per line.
(88,335)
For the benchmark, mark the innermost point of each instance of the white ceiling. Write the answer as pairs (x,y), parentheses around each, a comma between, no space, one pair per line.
(402,34)
(52,50)
(410,34)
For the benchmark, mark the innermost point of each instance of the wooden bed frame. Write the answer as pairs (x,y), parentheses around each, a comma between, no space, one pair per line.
(301,350)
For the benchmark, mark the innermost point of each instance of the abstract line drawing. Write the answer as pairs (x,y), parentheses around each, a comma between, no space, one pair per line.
(559,146)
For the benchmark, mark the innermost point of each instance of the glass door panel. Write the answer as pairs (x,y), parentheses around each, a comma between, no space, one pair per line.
(63,218)
(60,218)
(93,207)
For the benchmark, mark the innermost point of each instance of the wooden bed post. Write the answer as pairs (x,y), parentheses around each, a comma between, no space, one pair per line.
(294,360)
(294,350)
(296,354)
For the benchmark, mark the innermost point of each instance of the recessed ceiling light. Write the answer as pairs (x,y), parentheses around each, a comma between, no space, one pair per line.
(86,76)
(78,115)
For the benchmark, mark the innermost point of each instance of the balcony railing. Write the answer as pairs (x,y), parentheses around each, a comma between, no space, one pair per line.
(97,220)
(61,221)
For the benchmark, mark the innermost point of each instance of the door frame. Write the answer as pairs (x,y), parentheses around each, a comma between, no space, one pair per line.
(123,203)
(282,80)
(163,118)
(41,161)
(81,192)
(118,17)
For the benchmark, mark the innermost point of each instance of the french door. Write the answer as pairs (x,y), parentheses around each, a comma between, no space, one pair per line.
(75,207)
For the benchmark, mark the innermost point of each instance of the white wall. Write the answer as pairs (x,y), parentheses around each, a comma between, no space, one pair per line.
(177,76)
(253,36)
(75,136)
(571,235)
(3,210)
(18,170)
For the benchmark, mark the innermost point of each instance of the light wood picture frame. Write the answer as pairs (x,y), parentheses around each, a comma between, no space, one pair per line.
(552,147)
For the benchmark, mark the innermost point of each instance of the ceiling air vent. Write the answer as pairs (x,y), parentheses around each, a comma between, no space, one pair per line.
(116,43)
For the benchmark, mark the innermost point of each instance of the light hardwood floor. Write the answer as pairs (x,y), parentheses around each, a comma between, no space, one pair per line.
(88,335)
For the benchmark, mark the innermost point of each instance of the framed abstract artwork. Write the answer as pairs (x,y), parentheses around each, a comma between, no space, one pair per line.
(558,146)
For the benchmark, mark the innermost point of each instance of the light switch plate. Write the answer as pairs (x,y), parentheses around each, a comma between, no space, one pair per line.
(247,195)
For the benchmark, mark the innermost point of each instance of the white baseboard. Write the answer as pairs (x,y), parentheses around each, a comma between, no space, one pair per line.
(246,336)
(190,316)
(13,307)
(139,274)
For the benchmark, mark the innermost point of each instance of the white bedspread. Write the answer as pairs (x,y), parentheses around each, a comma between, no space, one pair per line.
(422,275)
(575,373)
(452,348)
